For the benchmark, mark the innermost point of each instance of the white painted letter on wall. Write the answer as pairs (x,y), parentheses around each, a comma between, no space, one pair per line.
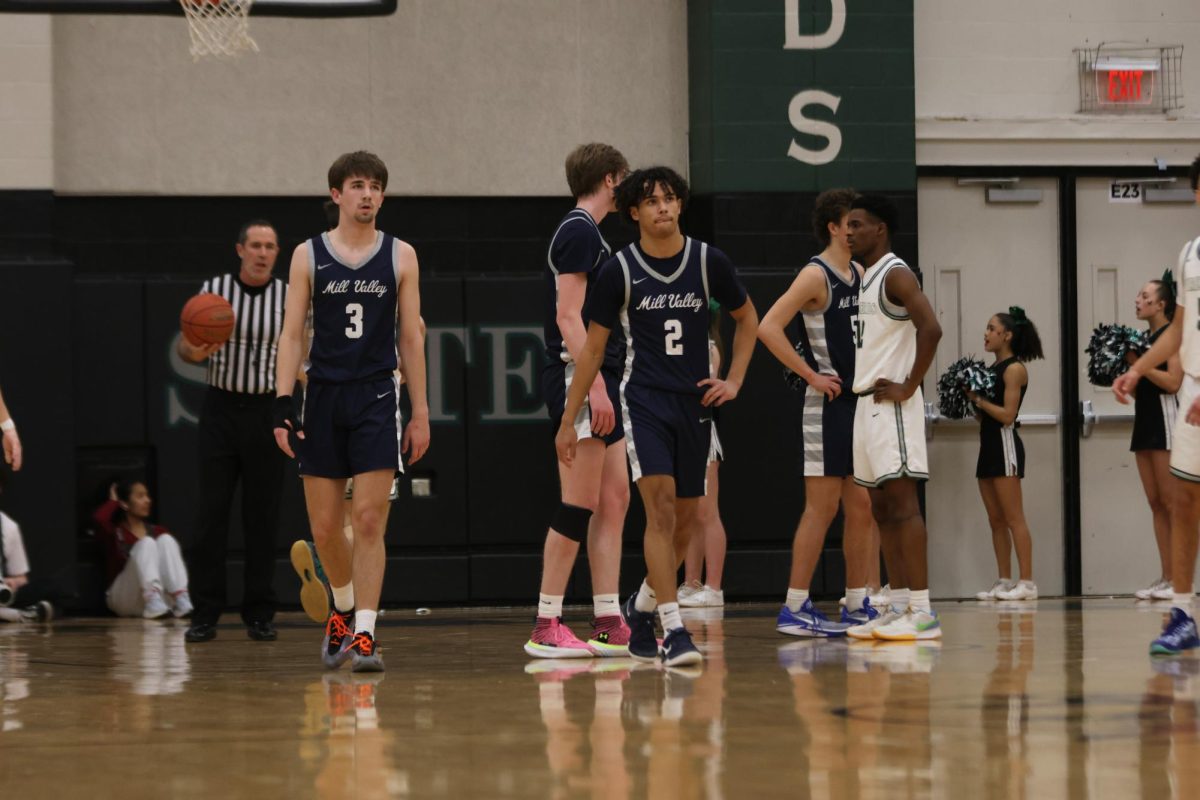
(793,40)
(814,127)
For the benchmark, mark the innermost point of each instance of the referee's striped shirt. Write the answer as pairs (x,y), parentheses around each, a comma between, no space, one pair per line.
(246,363)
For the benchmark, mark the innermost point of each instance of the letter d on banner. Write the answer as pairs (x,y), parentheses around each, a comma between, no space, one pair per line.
(793,40)
(814,127)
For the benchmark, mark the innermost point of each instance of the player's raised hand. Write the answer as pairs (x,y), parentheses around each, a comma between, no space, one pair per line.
(565,442)
(416,439)
(604,417)
(1124,385)
(828,385)
(719,392)
(12,449)
(285,422)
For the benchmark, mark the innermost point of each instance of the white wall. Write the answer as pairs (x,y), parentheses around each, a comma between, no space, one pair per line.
(26,92)
(996,82)
(459,97)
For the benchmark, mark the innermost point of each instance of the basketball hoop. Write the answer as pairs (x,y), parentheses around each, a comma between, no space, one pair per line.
(218,27)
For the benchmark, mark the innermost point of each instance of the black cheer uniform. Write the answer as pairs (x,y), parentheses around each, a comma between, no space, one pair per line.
(1153,412)
(1001,453)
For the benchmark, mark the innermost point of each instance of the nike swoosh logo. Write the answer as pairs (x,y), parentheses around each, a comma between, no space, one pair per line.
(323,266)
(639,280)
(381,396)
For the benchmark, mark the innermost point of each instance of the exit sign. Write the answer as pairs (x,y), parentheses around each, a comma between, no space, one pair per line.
(1125,82)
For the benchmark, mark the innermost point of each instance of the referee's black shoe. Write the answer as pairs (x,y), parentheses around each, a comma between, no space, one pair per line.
(261,631)
(200,632)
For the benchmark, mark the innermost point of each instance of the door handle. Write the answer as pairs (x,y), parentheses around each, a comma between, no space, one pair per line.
(1091,419)
(934,418)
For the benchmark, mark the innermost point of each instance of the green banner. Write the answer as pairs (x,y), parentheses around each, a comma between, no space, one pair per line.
(801,95)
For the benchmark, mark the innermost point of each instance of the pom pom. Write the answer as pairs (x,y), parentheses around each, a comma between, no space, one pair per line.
(1107,350)
(966,374)
(794,381)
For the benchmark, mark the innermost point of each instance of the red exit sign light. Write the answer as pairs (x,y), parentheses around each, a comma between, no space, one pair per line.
(1126,81)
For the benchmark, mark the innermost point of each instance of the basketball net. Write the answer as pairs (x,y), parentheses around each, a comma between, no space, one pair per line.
(218,27)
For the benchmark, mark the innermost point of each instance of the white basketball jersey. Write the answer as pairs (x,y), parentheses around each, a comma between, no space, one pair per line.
(887,340)
(1187,278)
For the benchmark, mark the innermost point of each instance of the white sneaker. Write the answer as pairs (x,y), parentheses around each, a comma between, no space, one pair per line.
(913,625)
(1148,592)
(1001,585)
(183,605)
(156,607)
(1024,590)
(883,598)
(707,597)
(687,589)
(1164,592)
(867,629)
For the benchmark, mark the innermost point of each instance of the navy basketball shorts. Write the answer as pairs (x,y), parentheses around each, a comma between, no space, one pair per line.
(667,433)
(556,381)
(350,428)
(827,432)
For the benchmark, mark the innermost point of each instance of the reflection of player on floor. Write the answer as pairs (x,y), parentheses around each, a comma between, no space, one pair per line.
(659,288)
(1182,336)
(595,488)
(825,296)
(898,334)
(362,286)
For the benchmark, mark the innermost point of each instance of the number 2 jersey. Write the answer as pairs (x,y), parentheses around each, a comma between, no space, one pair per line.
(353,310)
(661,305)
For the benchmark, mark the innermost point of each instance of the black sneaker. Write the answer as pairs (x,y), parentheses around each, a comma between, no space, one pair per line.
(339,633)
(678,650)
(41,611)
(262,631)
(643,646)
(200,632)
(365,654)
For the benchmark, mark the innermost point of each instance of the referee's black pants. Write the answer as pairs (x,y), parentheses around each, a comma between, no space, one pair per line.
(235,441)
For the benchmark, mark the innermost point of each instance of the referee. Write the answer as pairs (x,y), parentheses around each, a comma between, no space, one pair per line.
(235,440)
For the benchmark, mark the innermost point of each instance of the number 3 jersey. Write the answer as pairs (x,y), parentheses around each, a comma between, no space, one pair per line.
(353,311)
(661,305)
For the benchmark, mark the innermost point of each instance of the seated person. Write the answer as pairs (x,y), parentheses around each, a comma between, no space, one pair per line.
(15,587)
(146,573)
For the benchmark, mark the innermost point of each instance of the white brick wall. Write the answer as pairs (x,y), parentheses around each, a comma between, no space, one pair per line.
(26,102)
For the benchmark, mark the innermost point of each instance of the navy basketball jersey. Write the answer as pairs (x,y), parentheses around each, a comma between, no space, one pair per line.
(353,312)
(577,246)
(828,334)
(662,306)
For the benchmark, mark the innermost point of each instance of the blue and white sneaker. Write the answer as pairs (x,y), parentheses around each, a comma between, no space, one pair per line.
(643,646)
(678,650)
(1178,634)
(808,621)
(864,615)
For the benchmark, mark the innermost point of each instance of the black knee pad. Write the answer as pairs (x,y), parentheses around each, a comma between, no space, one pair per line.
(571,521)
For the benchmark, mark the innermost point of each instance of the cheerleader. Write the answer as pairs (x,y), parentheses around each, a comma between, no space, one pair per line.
(1154,407)
(1013,340)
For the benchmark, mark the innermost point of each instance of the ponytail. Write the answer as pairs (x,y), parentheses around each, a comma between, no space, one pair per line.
(1026,344)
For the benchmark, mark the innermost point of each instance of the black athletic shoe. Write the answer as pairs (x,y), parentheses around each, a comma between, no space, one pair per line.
(41,611)
(339,633)
(261,631)
(364,654)
(643,646)
(200,632)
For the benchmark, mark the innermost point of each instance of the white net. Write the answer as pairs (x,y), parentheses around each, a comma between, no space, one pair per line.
(218,27)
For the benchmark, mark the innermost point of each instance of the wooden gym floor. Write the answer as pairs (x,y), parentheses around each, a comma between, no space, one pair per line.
(1041,700)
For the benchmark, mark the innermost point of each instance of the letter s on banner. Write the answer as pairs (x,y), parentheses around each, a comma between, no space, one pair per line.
(793,40)
(814,127)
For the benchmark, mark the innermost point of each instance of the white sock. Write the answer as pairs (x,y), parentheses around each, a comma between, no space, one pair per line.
(919,601)
(646,599)
(855,598)
(795,599)
(900,599)
(343,597)
(1183,602)
(669,614)
(549,606)
(348,532)
(605,605)
(364,622)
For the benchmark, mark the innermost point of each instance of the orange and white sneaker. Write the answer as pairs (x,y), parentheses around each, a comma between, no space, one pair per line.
(610,637)
(552,639)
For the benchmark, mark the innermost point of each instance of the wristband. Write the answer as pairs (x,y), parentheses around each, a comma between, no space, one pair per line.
(284,414)
(8,425)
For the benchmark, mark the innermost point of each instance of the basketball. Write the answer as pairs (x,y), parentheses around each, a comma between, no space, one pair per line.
(207,319)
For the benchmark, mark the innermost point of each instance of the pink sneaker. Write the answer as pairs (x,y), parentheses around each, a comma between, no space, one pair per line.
(610,637)
(552,639)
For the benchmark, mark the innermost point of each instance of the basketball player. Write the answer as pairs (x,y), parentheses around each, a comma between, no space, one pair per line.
(1181,336)
(825,296)
(658,288)
(595,488)
(361,284)
(897,335)
(12,442)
